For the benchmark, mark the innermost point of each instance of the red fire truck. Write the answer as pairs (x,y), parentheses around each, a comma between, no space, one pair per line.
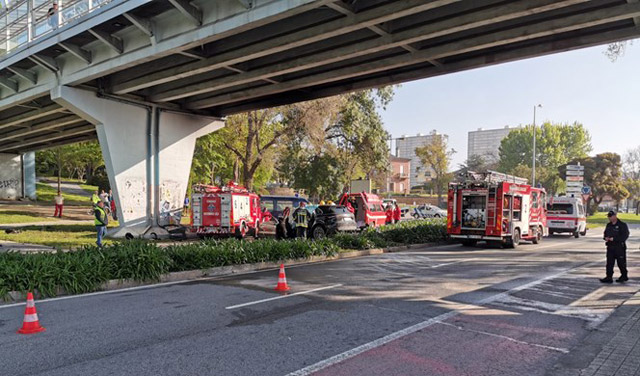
(368,208)
(495,207)
(225,211)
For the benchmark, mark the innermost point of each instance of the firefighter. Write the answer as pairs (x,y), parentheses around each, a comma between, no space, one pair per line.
(350,207)
(301,219)
(389,214)
(615,235)
(95,198)
(397,213)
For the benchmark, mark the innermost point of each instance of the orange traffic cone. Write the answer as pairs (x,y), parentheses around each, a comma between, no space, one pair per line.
(30,324)
(282,280)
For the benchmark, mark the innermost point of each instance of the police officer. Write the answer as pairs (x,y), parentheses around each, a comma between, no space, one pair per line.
(615,235)
(301,218)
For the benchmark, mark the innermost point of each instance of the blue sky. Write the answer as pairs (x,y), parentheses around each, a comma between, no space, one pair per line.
(582,85)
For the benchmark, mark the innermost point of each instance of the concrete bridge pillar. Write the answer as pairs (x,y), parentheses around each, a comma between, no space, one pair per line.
(147,152)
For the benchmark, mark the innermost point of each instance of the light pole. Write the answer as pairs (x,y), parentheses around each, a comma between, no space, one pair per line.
(533,164)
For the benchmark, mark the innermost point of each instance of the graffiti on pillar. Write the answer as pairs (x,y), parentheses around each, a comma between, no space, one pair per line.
(170,202)
(9,184)
(133,198)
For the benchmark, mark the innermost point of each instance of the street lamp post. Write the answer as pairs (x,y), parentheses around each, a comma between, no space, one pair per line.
(533,164)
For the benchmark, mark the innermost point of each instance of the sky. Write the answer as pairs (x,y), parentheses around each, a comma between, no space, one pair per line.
(582,85)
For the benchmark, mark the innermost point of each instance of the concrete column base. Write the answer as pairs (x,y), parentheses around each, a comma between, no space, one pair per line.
(148,154)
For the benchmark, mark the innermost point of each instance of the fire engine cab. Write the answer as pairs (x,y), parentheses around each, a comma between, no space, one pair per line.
(498,208)
(225,211)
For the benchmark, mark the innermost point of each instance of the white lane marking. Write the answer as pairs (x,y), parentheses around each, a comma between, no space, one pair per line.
(424,324)
(282,296)
(451,263)
(558,349)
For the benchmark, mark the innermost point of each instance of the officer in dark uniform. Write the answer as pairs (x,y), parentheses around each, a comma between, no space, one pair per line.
(615,235)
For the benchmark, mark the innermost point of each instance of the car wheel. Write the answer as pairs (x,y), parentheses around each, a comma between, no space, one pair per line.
(241,231)
(538,236)
(576,234)
(318,232)
(436,215)
(583,233)
(550,232)
(514,242)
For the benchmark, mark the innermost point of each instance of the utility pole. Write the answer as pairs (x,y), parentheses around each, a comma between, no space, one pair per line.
(533,164)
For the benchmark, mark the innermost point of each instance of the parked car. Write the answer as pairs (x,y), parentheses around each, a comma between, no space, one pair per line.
(281,209)
(429,211)
(406,213)
(328,220)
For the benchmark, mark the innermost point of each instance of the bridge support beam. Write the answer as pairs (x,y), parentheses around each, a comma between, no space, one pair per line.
(147,152)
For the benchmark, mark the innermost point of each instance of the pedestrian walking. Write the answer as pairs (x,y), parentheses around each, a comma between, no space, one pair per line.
(59,201)
(615,235)
(101,221)
(52,16)
(301,219)
(185,208)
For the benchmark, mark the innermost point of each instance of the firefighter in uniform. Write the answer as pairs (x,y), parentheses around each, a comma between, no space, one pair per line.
(301,218)
(615,235)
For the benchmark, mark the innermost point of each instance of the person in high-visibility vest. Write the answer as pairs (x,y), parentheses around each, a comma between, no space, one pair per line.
(301,219)
(95,198)
(101,221)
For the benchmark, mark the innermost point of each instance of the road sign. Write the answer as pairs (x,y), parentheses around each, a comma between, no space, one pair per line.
(574,167)
(575,184)
(585,198)
(586,190)
(573,190)
(575,172)
(575,178)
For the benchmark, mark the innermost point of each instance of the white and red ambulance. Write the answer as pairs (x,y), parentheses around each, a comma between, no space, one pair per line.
(567,215)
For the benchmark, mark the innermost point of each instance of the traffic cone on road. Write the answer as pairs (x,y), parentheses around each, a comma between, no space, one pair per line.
(30,324)
(282,280)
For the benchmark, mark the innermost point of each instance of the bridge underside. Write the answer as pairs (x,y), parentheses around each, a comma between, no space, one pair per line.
(161,52)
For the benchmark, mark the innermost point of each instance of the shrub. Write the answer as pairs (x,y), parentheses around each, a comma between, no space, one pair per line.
(86,268)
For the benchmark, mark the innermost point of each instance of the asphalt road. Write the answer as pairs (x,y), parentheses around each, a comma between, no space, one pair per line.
(438,311)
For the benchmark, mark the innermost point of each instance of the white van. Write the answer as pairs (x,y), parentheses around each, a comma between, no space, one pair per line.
(567,214)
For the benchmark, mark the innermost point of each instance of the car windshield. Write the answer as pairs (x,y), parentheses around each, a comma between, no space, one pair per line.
(561,208)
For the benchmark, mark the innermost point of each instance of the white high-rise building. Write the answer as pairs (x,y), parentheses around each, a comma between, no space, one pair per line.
(486,142)
(406,148)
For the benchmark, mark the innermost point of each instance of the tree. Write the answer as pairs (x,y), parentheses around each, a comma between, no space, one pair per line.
(603,173)
(631,163)
(556,144)
(617,49)
(436,156)
(633,187)
(351,143)
(477,163)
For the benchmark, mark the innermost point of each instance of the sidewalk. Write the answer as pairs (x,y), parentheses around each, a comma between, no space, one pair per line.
(50,223)
(612,349)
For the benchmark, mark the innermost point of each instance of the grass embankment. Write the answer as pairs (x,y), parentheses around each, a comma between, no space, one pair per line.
(600,219)
(57,236)
(85,269)
(45,194)
(11,216)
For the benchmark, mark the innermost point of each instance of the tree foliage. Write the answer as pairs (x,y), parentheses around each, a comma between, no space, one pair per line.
(436,156)
(556,144)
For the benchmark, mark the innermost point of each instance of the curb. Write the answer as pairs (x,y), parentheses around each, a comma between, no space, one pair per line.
(222,271)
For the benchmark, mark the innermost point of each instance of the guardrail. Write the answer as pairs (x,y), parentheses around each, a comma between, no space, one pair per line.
(22,21)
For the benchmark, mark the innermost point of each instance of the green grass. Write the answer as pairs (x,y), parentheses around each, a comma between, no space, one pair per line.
(46,193)
(89,188)
(600,219)
(16,216)
(58,236)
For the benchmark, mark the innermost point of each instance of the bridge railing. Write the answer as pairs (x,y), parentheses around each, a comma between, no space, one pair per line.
(22,21)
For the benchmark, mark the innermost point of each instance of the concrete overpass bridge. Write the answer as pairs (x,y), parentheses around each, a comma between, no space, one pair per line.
(146,77)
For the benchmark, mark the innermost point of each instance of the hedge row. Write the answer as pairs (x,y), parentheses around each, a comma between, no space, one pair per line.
(86,268)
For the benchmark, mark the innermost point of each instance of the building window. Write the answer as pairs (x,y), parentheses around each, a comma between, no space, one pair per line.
(401,187)
(401,169)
